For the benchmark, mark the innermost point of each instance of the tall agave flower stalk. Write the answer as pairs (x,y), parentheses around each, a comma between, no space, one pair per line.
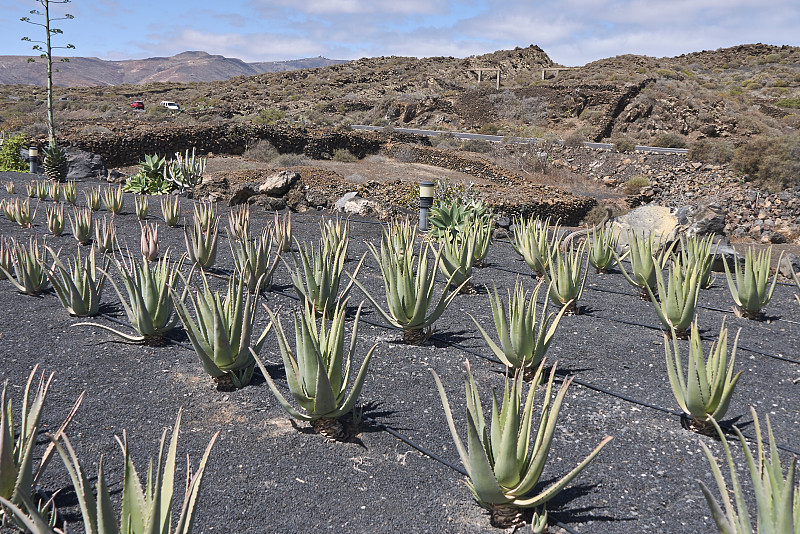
(502,464)
(282,232)
(645,259)
(81,225)
(92,198)
(677,297)
(705,392)
(5,257)
(221,337)
(42,190)
(603,243)
(564,278)
(148,305)
(239,223)
(19,475)
(105,235)
(141,204)
(523,340)
(201,242)
(409,284)
(254,262)
(55,219)
(700,252)
(319,274)
(149,241)
(114,200)
(30,274)
(318,371)
(457,256)
(534,244)
(777,497)
(10,187)
(77,285)
(70,193)
(171,210)
(54,189)
(145,508)
(749,284)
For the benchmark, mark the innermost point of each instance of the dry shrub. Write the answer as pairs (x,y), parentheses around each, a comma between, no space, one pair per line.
(343,155)
(477,145)
(624,144)
(635,184)
(263,150)
(714,151)
(404,154)
(290,160)
(575,139)
(670,140)
(772,163)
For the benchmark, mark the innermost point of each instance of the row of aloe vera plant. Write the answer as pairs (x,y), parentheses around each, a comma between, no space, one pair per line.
(330,247)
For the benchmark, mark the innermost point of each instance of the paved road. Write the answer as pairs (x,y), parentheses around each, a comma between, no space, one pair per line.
(499,138)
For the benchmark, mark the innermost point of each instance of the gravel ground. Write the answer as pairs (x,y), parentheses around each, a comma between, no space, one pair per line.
(268,473)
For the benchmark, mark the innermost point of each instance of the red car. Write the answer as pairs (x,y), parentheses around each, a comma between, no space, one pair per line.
(138,104)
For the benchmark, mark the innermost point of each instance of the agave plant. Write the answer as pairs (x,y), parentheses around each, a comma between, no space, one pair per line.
(523,341)
(92,198)
(457,256)
(706,391)
(677,299)
(149,307)
(318,371)
(564,278)
(55,162)
(645,259)
(222,334)
(18,478)
(697,251)
(114,200)
(777,497)
(201,244)
(254,262)
(142,204)
(144,509)
(77,285)
(184,171)
(320,272)
(532,242)
(55,219)
(70,193)
(149,241)
(409,284)
(54,189)
(503,466)
(239,223)
(30,274)
(10,187)
(105,236)
(81,225)
(171,210)
(448,218)
(282,232)
(749,283)
(601,250)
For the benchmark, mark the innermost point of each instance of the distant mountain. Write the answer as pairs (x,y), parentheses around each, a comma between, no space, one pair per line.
(181,68)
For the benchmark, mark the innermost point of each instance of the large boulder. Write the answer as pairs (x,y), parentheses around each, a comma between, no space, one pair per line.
(365,207)
(658,220)
(85,165)
(702,219)
(790,264)
(279,183)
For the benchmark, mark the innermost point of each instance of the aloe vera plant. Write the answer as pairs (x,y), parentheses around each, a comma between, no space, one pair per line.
(523,340)
(483,229)
(700,252)
(114,200)
(677,297)
(77,285)
(145,509)
(409,284)
(400,236)
(81,224)
(254,262)
(55,219)
(92,198)
(10,187)
(54,191)
(18,477)
(749,283)
(564,278)
(9,209)
(171,210)
(31,188)
(333,233)
(705,393)
(201,242)
(777,496)
(645,259)
(30,274)
(318,371)
(21,210)
(141,204)
(221,337)
(5,257)
(184,171)
(149,241)
(239,223)
(282,232)
(105,235)
(503,466)
(149,306)
(797,283)
(42,190)
(603,243)
(70,193)
(534,244)
(457,257)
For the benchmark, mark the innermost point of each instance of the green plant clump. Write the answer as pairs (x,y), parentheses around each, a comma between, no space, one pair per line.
(10,159)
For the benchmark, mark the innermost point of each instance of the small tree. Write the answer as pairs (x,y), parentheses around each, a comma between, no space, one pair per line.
(47,53)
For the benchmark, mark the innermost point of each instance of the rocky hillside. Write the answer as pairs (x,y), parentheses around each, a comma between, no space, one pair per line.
(181,68)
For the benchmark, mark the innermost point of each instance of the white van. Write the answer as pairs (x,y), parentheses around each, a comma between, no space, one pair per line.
(170,105)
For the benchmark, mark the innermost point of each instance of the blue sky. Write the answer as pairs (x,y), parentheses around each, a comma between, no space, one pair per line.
(572,32)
